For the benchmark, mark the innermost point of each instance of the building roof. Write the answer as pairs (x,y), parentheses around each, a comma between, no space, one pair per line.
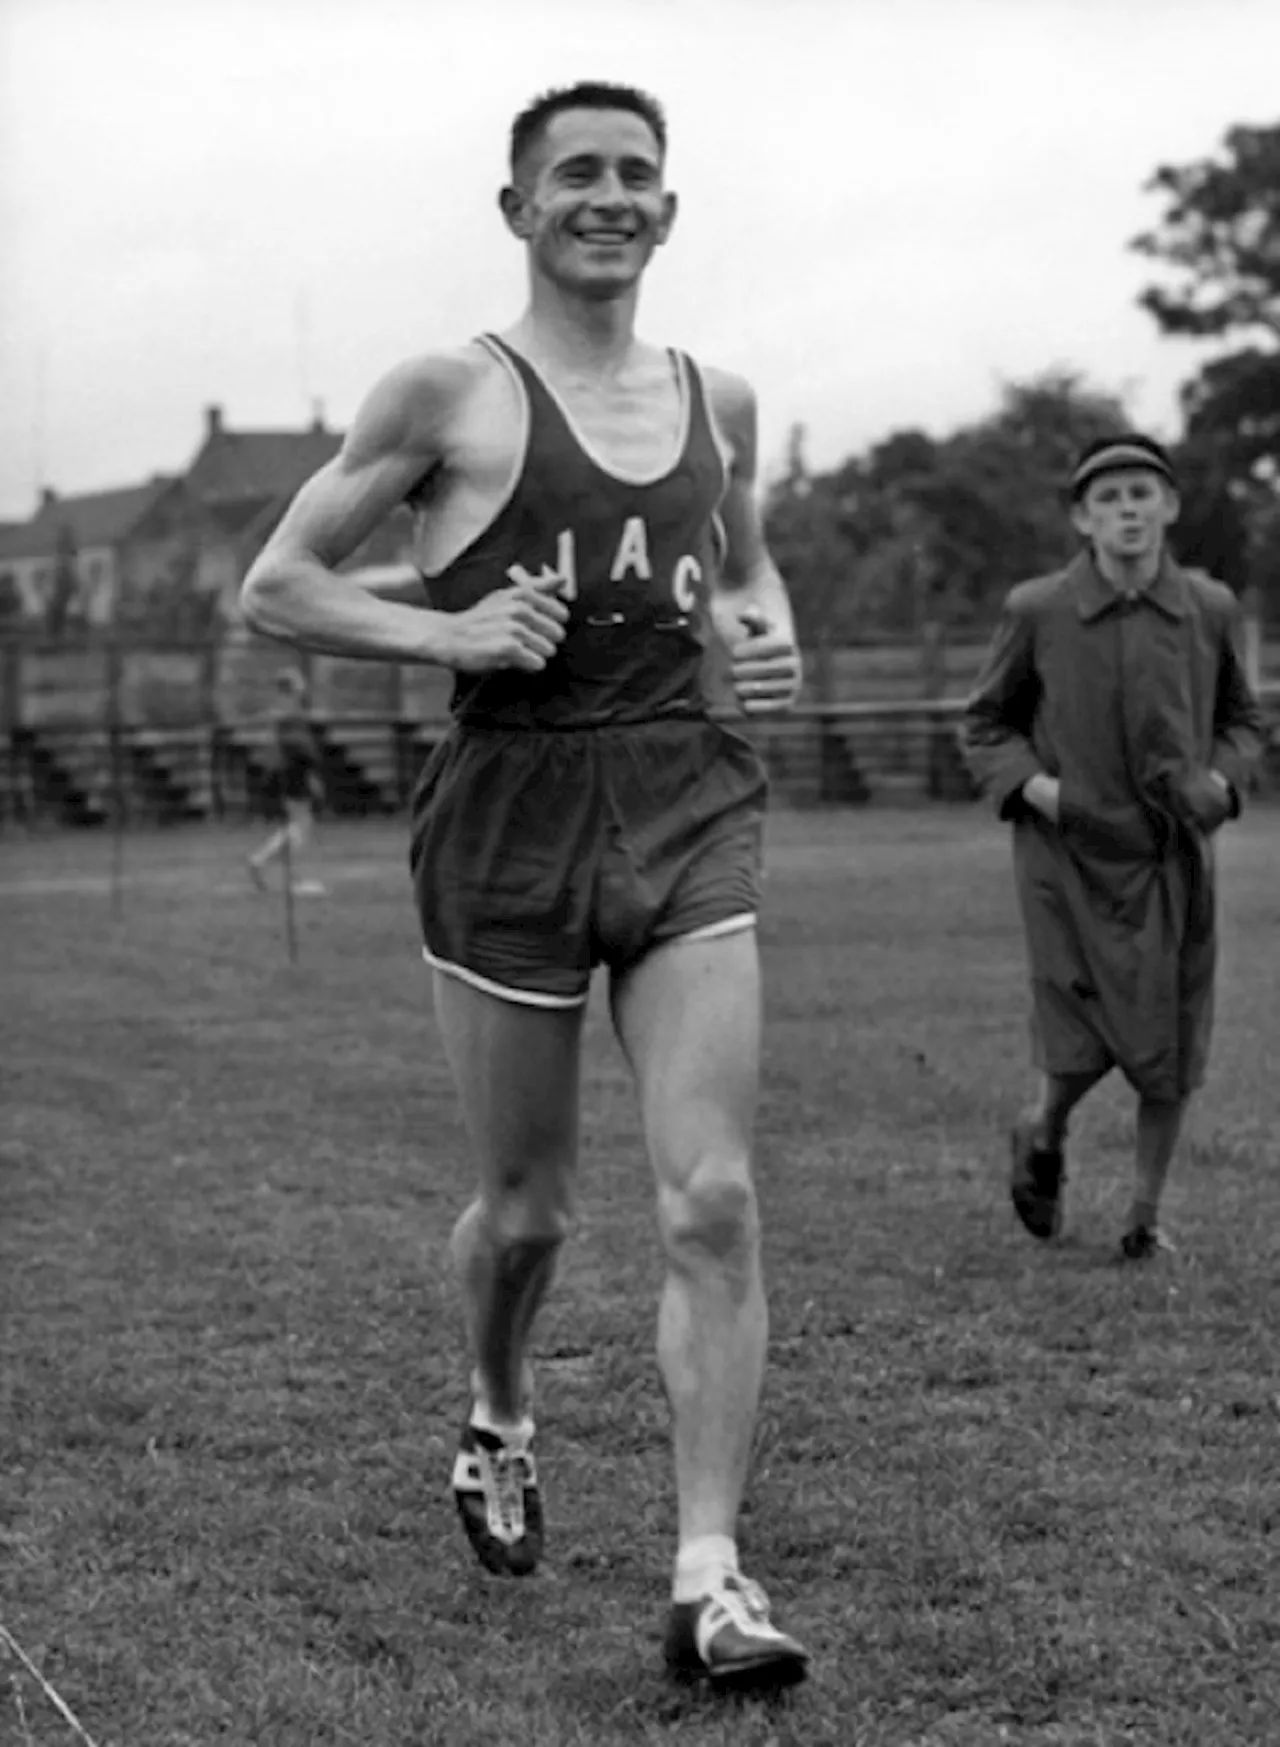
(239,465)
(98,518)
(234,475)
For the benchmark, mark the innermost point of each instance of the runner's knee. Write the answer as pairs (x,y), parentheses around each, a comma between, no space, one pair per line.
(529,1212)
(711,1213)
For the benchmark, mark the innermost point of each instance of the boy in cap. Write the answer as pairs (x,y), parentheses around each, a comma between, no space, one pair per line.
(1112,725)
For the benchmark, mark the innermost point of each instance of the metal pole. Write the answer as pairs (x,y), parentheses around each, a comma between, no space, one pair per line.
(117,783)
(290,927)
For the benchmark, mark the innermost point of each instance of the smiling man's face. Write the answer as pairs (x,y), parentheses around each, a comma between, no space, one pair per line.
(590,202)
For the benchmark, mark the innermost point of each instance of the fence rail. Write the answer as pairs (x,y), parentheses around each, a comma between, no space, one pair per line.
(900,750)
(111,734)
(231,681)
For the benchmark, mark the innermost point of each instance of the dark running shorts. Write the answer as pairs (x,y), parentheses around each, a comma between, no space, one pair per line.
(290,781)
(537,855)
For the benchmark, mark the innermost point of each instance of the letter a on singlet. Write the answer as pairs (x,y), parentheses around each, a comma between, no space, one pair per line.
(633,551)
(565,573)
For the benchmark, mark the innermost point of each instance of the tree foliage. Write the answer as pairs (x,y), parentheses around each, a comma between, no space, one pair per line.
(1219,235)
(919,530)
(1220,231)
(1233,404)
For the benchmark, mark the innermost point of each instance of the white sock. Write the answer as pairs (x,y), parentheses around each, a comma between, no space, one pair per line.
(701,1563)
(518,1431)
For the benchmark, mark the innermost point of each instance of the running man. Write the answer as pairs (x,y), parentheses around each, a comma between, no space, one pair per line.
(1113,725)
(295,782)
(585,507)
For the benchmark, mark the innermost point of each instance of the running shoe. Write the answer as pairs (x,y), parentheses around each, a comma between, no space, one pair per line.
(727,1638)
(495,1486)
(1035,1182)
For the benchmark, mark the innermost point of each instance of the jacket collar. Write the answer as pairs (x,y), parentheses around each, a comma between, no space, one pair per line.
(1095,595)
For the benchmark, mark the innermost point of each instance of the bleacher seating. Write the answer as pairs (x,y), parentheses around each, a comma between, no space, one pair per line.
(878,752)
(361,765)
(415,742)
(241,764)
(70,774)
(15,799)
(172,772)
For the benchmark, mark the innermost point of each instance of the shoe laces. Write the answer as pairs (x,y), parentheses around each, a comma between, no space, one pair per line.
(739,1603)
(506,1474)
(745,1600)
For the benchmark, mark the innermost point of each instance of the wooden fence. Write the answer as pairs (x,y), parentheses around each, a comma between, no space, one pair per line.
(150,735)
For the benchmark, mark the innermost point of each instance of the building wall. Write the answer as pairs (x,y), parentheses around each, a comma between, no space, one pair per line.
(97,580)
(171,570)
(178,572)
(34,580)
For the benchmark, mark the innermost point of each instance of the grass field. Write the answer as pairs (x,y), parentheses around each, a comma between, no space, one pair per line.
(1006,1493)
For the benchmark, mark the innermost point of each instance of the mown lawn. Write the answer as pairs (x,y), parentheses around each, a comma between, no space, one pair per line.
(1006,1493)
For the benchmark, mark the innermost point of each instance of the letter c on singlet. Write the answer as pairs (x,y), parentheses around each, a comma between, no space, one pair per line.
(687,572)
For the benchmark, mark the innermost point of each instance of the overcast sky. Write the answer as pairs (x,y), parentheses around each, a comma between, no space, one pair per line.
(888,206)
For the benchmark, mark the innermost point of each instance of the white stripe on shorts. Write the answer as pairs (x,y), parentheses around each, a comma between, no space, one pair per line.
(522,997)
(731,925)
(532,998)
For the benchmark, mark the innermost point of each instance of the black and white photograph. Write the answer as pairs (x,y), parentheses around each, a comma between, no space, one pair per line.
(640,873)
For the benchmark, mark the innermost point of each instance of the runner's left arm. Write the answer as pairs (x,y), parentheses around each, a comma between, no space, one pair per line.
(750,607)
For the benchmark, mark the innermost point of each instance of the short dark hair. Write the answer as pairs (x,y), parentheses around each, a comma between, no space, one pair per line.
(1110,454)
(529,126)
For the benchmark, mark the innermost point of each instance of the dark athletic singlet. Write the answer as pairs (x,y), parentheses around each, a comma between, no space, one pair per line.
(633,562)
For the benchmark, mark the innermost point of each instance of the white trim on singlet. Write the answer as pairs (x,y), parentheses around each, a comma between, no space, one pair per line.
(521,997)
(517,470)
(721,443)
(593,455)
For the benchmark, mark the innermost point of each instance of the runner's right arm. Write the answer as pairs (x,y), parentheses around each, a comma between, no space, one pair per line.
(392,582)
(295,592)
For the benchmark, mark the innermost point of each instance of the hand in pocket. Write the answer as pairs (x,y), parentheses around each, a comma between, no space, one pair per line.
(1207,798)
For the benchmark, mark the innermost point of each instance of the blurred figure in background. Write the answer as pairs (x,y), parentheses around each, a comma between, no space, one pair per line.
(296,789)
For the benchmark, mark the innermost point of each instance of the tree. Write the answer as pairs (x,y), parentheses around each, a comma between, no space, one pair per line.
(963,518)
(1011,468)
(922,531)
(1220,233)
(1213,528)
(1234,404)
(808,535)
